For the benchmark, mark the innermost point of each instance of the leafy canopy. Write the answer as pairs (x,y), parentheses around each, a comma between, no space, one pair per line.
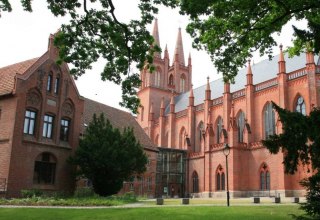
(230,31)
(108,157)
(300,142)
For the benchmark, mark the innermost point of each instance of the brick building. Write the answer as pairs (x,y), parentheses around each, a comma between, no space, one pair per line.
(201,121)
(40,110)
(42,116)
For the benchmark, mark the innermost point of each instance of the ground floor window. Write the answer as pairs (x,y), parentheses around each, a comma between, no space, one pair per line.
(264,178)
(44,169)
(195,182)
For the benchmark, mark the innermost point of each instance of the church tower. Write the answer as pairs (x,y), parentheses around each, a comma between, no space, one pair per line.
(165,80)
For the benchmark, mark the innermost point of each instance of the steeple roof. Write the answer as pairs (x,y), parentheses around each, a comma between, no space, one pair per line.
(179,49)
(155,34)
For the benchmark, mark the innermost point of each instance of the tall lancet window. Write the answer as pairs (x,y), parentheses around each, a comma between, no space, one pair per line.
(157,78)
(171,80)
(182,83)
(269,121)
(240,124)
(301,106)
(219,128)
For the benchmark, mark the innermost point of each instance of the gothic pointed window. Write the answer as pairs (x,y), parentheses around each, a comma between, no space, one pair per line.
(264,177)
(269,121)
(182,138)
(219,128)
(301,106)
(240,125)
(195,182)
(199,137)
(157,78)
(171,80)
(182,84)
(49,82)
(220,179)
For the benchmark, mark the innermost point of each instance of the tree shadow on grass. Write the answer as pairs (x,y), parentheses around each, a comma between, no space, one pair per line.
(302,217)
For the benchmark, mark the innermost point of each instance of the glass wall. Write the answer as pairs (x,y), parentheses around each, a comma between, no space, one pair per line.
(171,172)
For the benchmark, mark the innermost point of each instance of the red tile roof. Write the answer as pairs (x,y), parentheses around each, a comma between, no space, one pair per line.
(119,119)
(8,73)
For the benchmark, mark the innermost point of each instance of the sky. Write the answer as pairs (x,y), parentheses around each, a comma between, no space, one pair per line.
(25,35)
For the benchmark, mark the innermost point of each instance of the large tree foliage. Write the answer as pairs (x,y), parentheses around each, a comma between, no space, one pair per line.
(108,157)
(229,30)
(300,142)
(232,30)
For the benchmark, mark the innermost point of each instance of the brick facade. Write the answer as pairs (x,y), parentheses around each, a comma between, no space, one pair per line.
(190,120)
(25,87)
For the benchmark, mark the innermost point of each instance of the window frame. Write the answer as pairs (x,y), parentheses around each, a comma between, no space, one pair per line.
(300,107)
(56,85)
(63,136)
(240,126)
(28,119)
(269,121)
(44,172)
(48,126)
(49,82)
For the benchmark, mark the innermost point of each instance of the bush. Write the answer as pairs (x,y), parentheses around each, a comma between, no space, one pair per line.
(312,185)
(84,192)
(29,193)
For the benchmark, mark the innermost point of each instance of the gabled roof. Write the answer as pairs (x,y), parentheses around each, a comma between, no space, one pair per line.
(8,73)
(262,71)
(118,118)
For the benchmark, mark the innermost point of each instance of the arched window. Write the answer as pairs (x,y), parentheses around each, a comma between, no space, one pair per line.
(240,124)
(269,121)
(166,144)
(49,82)
(182,83)
(195,182)
(220,179)
(301,106)
(44,169)
(171,80)
(199,137)
(157,78)
(182,138)
(219,128)
(264,177)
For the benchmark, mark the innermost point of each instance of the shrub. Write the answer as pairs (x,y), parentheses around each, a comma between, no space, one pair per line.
(29,193)
(84,192)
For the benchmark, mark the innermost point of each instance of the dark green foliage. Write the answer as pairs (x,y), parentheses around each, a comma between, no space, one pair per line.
(300,142)
(108,157)
(312,184)
(28,193)
(230,31)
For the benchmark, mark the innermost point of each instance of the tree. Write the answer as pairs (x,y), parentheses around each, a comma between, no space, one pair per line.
(230,31)
(108,157)
(300,142)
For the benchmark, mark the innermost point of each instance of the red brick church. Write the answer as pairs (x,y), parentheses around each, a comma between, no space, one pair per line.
(201,121)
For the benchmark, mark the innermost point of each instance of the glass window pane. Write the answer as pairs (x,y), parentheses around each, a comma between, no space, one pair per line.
(26,125)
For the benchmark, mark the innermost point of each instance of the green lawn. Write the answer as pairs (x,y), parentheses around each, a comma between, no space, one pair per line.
(181,212)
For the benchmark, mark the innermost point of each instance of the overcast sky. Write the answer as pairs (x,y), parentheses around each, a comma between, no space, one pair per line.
(25,35)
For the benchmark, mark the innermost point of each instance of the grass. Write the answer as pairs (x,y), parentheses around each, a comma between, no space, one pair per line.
(156,213)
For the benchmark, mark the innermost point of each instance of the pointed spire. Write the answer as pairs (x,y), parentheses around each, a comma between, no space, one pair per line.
(191,97)
(249,74)
(208,91)
(172,104)
(166,53)
(155,34)
(281,62)
(178,53)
